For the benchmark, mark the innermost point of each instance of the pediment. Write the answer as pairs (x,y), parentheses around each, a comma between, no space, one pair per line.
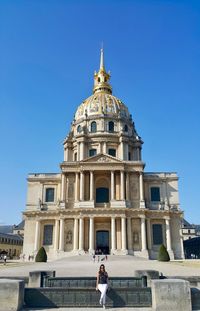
(102,158)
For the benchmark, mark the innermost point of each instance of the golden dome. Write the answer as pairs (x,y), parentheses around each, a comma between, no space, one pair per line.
(102,103)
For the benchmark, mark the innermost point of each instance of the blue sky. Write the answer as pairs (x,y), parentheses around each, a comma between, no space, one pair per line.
(48,53)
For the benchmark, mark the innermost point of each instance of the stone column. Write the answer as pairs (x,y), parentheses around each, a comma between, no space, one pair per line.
(82,150)
(61,240)
(129,235)
(81,234)
(112,185)
(149,242)
(63,187)
(56,236)
(142,204)
(113,235)
(78,151)
(168,234)
(122,184)
(37,236)
(143,234)
(75,234)
(127,186)
(76,187)
(91,235)
(82,186)
(66,154)
(126,151)
(104,148)
(123,232)
(91,185)
(122,150)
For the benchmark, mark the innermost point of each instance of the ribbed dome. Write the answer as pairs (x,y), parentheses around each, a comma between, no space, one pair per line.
(102,103)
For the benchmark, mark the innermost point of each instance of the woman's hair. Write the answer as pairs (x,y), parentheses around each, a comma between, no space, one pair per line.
(101,267)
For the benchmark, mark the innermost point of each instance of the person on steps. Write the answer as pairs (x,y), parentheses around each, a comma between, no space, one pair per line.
(102,284)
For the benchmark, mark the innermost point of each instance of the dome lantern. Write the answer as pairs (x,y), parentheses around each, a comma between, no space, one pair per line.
(101,78)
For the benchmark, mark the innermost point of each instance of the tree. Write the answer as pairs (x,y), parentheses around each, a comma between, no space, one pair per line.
(41,255)
(163,254)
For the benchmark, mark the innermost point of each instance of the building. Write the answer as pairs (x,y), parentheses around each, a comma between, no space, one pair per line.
(102,200)
(19,229)
(188,230)
(11,245)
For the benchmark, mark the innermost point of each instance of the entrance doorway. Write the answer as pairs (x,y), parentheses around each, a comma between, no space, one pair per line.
(102,241)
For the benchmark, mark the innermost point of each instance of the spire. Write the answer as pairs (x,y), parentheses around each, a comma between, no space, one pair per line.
(102,60)
(101,78)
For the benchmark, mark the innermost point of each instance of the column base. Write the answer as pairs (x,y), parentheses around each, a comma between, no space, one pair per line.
(81,252)
(119,252)
(91,251)
(62,205)
(171,254)
(142,204)
(144,253)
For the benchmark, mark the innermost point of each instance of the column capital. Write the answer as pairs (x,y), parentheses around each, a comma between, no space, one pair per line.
(142,217)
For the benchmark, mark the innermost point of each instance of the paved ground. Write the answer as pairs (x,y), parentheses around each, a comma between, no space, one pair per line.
(115,265)
(91,309)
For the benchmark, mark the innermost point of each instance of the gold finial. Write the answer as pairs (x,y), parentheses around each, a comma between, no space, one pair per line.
(101,78)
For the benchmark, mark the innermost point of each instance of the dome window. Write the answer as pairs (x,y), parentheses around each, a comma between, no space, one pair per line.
(79,129)
(92,152)
(112,152)
(125,128)
(93,127)
(111,126)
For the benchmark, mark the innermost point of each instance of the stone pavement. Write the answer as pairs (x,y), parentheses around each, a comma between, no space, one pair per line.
(115,265)
(91,309)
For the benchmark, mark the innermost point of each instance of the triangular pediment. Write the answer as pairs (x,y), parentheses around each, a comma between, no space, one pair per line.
(102,158)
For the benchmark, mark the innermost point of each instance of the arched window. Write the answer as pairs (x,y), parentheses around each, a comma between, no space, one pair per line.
(125,128)
(79,129)
(93,127)
(111,126)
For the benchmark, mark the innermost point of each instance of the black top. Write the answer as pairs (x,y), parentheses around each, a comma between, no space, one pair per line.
(103,278)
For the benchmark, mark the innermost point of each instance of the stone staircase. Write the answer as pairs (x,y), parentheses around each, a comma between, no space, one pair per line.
(80,292)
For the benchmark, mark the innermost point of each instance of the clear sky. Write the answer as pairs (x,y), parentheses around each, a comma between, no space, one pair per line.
(49,50)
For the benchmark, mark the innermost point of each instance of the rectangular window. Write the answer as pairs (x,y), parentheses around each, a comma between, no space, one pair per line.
(48,235)
(92,152)
(155,194)
(49,197)
(112,152)
(157,234)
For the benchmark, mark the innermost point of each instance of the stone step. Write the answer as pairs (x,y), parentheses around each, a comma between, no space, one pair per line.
(86,297)
(90,282)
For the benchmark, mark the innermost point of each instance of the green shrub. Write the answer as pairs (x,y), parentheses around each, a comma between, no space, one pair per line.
(163,254)
(41,255)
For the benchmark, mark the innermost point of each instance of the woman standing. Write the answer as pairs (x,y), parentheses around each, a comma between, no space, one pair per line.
(102,284)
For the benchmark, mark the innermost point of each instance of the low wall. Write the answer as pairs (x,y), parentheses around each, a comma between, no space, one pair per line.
(11,295)
(171,294)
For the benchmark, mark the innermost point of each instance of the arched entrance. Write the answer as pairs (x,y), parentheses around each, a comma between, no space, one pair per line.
(102,241)
(102,195)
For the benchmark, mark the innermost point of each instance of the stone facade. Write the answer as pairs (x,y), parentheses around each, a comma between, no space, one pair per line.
(102,199)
